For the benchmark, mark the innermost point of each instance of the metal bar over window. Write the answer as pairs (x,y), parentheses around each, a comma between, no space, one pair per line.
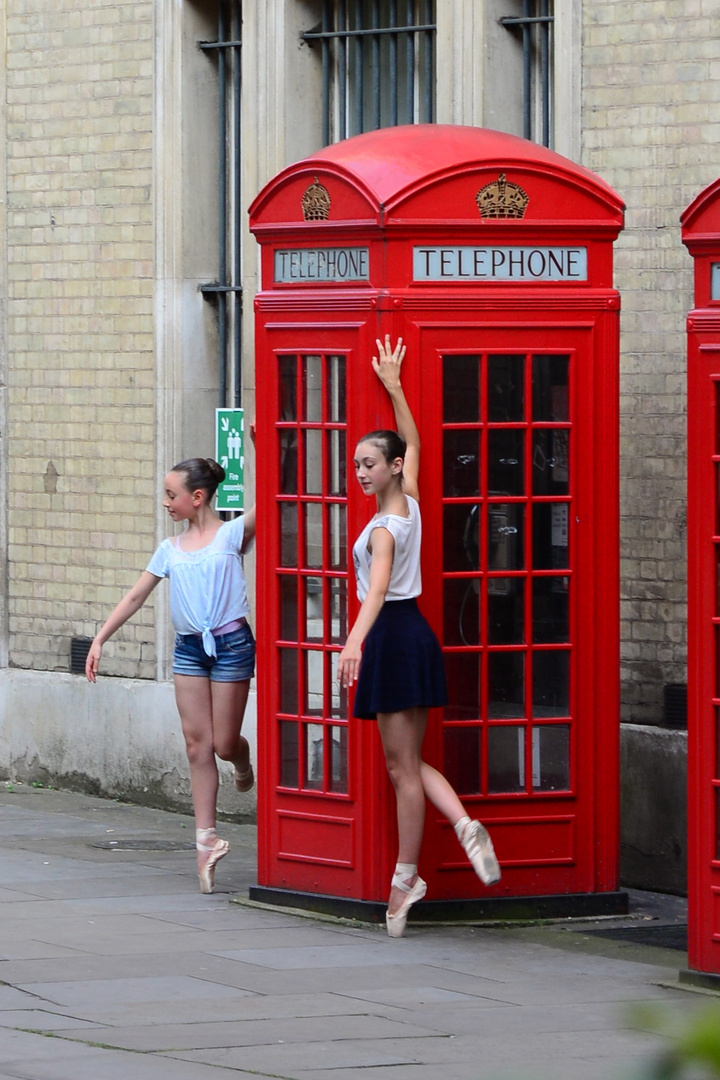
(226,290)
(535,26)
(378,59)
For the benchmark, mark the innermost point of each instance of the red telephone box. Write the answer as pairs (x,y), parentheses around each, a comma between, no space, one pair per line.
(701,235)
(492,258)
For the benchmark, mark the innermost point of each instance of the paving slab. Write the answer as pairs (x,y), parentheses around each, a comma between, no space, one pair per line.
(113,965)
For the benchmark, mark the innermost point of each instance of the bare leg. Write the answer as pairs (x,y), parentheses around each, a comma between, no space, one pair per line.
(441,794)
(402,737)
(229,700)
(194,702)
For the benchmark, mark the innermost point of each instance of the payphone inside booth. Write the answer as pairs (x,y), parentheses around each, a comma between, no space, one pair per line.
(492,258)
(701,235)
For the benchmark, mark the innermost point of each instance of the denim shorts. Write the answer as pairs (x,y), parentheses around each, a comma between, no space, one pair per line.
(235,660)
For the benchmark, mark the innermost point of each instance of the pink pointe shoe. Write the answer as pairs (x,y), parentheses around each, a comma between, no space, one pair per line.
(396,923)
(207,840)
(244,781)
(479,849)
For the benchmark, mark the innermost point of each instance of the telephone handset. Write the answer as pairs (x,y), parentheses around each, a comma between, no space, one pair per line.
(471,537)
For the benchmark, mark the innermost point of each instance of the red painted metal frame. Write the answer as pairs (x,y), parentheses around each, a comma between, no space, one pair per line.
(701,235)
(384,197)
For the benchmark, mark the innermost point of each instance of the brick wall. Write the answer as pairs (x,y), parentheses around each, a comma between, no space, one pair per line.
(651,128)
(82,489)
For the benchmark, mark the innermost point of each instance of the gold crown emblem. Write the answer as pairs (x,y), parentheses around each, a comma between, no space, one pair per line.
(501,199)
(316,202)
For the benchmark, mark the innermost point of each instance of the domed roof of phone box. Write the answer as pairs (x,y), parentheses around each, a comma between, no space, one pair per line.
(432,173)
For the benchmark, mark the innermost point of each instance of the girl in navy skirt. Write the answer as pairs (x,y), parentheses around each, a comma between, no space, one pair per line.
(391,650)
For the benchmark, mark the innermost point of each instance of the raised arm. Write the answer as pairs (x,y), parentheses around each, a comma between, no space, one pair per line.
(387,365)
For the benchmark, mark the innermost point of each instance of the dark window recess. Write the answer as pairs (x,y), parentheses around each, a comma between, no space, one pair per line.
(535,29)
(675,705)
(226,291)
(378,64)
(79,649)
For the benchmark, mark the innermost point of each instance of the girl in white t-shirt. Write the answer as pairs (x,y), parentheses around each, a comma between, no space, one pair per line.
(214,656)
(391,650)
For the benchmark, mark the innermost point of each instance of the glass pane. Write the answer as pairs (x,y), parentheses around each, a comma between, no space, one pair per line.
(461,611)
(506,536)
(550,388)
(505,461)
(550,609)
(463,678)
(312,514)
(461,463)
(338,694)
(314,684)
(506,388)
(551,757)
(338,758)
(289,759)
(337,537)
(461,389)
(288,388)
(337,462)
(336,389)
(550,468)
(461,536)
(506,684)
(313,588)
(550,536)
(288,608)
(338,611)
(313,752)
(288,534)
(506,611)
(506,759)
(461,758)
(551,683)
(312,389)
(288,461)
(288,682)
(313,461)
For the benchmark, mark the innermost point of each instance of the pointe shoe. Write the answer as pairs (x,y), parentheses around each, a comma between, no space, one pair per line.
(396,923)
(481,853)
(207,840)
(244,781)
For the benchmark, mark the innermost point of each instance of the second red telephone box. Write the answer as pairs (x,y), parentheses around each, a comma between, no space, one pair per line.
(701,235)
(492,258)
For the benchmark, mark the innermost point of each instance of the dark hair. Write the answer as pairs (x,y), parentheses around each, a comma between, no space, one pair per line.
(202,473)
(389,443)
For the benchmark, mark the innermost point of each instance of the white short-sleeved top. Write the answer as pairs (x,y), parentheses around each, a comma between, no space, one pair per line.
(405,581)
(207,587)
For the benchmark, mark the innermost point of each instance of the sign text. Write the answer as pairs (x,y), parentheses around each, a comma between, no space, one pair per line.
(500,263)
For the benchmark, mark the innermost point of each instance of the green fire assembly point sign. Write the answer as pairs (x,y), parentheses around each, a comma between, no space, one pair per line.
(230,453)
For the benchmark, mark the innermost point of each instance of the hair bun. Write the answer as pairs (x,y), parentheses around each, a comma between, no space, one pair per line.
(217,470)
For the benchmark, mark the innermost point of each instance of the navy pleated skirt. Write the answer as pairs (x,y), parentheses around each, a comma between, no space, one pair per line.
(402,665)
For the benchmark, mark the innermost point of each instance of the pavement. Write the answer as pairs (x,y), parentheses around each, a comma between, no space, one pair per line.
(113,966)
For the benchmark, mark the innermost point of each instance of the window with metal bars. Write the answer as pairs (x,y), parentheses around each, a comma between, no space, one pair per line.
(226,290)
(532,25)
(378,64)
